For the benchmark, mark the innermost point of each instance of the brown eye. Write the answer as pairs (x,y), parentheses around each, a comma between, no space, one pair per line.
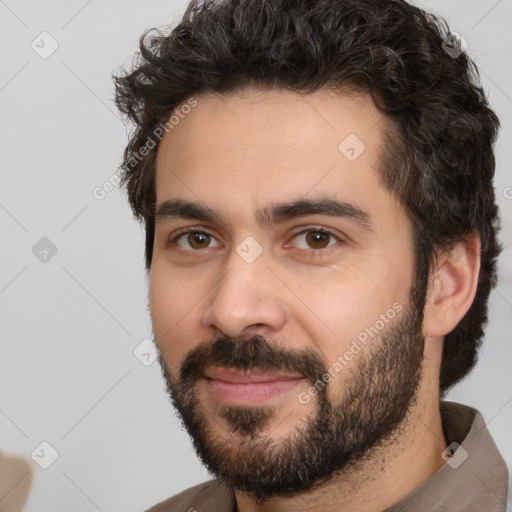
(193,240)
(316,239)
(198,240)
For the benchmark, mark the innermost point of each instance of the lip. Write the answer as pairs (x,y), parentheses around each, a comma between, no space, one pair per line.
(238,387)
(235,376)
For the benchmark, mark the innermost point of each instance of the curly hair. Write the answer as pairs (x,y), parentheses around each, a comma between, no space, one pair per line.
(438,157)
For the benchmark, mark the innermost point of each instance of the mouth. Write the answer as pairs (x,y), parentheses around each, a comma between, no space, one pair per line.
(253,387)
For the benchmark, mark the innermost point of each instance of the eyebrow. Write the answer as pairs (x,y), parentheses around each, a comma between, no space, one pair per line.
(273,214)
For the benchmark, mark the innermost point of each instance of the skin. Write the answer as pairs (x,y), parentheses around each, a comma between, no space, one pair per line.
(239,153)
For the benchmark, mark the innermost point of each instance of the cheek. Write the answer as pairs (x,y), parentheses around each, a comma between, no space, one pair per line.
(348,291)
(172,295)
(172,316)
(160,301)
(337,309)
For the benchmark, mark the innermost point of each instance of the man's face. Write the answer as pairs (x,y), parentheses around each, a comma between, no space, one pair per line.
(316,305)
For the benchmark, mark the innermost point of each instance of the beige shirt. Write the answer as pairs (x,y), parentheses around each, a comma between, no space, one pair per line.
(477,483)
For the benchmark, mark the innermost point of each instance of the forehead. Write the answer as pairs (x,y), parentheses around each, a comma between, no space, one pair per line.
(258,145)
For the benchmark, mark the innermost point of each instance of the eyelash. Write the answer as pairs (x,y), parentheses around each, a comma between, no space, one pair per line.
(315,229)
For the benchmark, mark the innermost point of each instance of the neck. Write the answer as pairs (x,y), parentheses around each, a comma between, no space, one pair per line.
(383,478)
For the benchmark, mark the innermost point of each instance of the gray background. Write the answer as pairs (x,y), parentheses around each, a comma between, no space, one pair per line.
(70,324)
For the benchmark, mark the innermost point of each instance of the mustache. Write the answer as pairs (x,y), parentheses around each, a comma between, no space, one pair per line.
(254,353)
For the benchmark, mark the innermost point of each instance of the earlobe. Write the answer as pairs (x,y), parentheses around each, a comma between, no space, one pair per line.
(453,287)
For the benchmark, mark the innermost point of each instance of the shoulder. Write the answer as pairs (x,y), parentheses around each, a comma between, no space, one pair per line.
(201,497)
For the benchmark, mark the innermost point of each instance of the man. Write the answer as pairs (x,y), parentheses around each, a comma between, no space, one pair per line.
(315,180)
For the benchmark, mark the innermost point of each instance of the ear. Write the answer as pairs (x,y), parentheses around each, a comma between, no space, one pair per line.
(452,287)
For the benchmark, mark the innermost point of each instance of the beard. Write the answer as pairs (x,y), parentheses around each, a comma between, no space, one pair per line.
(377,394)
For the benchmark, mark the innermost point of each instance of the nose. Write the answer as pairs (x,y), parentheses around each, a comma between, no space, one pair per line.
(247,300)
